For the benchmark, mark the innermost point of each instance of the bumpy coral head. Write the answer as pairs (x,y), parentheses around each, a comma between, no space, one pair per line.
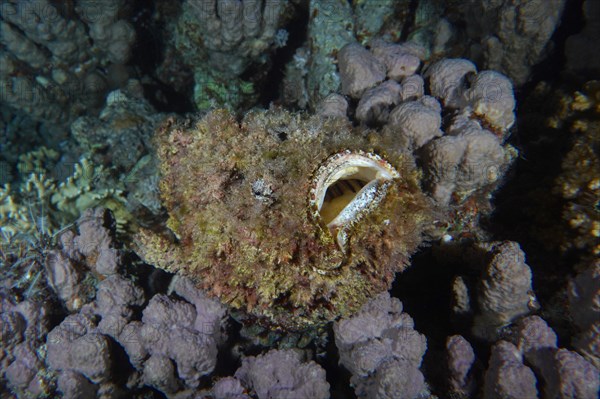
(296,220)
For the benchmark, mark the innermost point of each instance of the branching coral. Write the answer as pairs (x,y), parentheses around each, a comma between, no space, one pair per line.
(23,257)
(57,203)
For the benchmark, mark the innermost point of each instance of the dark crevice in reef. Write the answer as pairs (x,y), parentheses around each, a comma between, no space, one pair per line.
(526,209)
(227,363)
(549,70)
(147,54)
(164,99)
(526,194)
(338,376)
(410,20)
(297,29)
(424,290)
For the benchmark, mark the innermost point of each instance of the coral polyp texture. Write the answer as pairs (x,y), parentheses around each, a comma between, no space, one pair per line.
(297,220)
(454,118)
(579,183)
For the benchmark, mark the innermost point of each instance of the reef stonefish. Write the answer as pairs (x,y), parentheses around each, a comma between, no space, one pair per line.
(295,219)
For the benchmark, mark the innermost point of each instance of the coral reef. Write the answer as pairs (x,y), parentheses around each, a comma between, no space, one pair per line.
(330,27)
(312,74)
(526,363)
(167,332)
(507,376)
(80,258)
(75,346)
(67,262)
(116,170)
(355,216)
(22,259)
(59,60)
(505,291)
(228,35)
(253,251)
(334,105)
(580,61)
(509,37)
(584,308)
(496,288)
(127,112)
(359,70)
(21,134)
(118,340)
(464,155)
(564,373)
(579,183)
(220,41)
(580,186)
(47,203)
(512,38)
(381,349)
(277,373)
(110,320)
(24,325)
(127,158)
(563,121)
(460,359)
(375,103)
(170,349)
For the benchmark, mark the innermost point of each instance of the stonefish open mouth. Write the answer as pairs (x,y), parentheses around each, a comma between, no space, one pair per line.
(348,186)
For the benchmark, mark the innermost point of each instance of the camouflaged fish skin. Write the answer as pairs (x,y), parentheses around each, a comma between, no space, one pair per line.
(244,225)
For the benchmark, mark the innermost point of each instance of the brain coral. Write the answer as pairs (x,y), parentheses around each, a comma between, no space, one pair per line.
(295,219)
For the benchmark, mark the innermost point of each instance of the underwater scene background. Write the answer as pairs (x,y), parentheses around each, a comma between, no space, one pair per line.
(300,199)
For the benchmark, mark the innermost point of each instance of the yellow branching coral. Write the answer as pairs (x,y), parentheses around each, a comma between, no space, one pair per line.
(40,198)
